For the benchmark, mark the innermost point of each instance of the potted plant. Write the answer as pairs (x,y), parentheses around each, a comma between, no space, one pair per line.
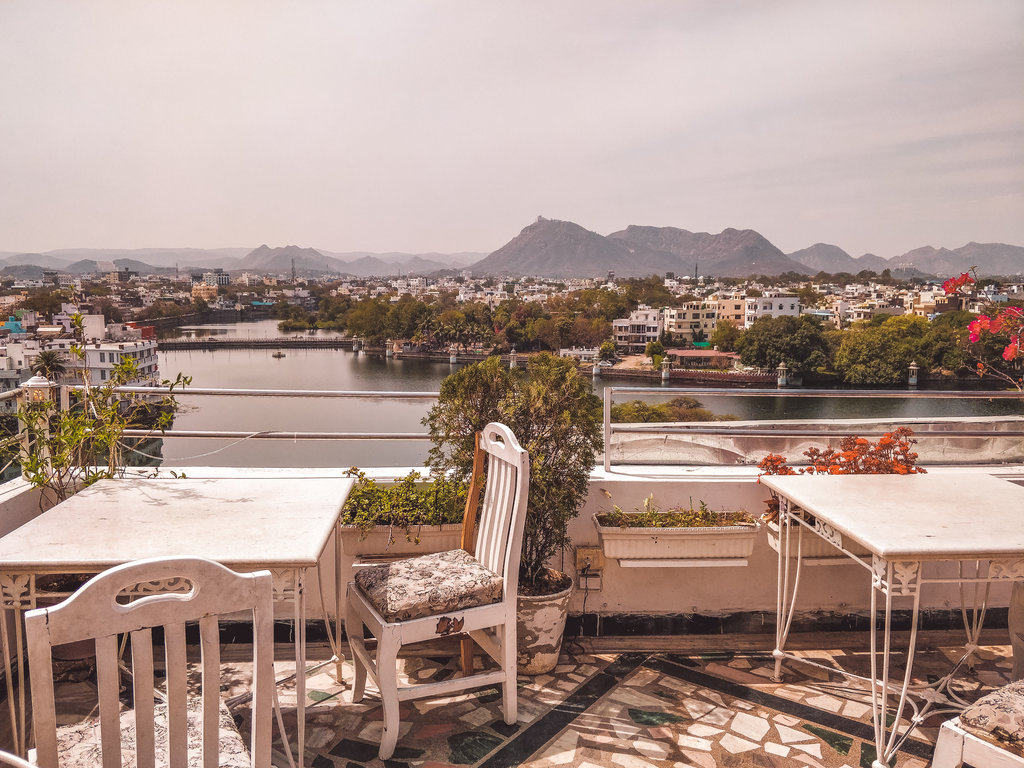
(678,536)
(550,408)
(891,455)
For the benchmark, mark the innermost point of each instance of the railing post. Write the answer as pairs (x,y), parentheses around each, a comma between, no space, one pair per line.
(607,423)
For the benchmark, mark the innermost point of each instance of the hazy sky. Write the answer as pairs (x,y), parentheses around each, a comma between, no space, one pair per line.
(449,126)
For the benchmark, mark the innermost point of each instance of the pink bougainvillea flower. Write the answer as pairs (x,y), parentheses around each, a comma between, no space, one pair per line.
(954,284)
(1010,353)
(975,327)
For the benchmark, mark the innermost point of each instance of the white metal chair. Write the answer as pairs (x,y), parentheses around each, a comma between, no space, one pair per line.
(990,732)
(449,593)
(162,731)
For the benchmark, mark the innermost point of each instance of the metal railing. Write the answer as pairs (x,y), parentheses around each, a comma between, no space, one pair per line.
(769,428)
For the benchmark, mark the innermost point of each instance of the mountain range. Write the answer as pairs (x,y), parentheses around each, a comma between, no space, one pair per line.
(308,261)
(546,248)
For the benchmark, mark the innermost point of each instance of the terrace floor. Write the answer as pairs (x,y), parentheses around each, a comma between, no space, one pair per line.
(629,703)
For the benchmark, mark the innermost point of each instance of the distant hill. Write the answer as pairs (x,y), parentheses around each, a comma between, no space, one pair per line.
(445,260)
(731,253)
(224,258)
(989,258)
(267,259)
(822,257)
(553,248)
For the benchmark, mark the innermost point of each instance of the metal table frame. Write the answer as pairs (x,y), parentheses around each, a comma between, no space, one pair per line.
(899,574)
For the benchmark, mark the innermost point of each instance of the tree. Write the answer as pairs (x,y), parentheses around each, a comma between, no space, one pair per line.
(555,417)
(799,342)
(725,336)
(655,348)
(881,354)
(49,363)
(607,351)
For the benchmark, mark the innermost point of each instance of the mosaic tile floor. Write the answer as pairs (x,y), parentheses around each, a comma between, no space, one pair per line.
(632,710)
(597,709)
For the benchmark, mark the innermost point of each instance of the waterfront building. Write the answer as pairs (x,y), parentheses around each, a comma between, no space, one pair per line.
(692,321)
(632,334)
(772,304)
(731,307)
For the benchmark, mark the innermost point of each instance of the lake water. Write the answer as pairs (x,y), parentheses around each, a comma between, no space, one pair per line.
(329,369)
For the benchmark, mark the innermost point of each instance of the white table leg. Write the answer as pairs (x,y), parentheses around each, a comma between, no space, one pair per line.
(1016,622)
(300,665)
(785,603)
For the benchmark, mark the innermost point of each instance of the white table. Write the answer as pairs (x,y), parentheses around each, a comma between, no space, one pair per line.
(281,523)
(903,523)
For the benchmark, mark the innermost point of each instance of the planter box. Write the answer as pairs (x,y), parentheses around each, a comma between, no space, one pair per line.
(432,538)
(813,547)
(357,550)
(678,547)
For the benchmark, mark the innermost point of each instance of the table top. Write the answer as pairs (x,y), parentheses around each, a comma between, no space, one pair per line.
(261,522)
(915,517)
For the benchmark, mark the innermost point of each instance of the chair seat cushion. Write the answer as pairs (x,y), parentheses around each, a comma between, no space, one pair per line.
(998,717)
(79,744)
(429,585)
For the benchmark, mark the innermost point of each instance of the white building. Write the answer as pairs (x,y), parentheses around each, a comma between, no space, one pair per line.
(692,321)
(101,357)
(633,333)
(770,305)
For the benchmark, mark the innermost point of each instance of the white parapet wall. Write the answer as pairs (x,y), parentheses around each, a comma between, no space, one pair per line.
(826,590)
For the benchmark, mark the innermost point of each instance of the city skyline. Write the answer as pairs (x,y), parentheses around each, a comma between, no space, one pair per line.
(447,127)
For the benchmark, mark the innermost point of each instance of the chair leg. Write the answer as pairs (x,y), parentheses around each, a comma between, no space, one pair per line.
(949,748)
(509,692)
(354,632)
(387,678)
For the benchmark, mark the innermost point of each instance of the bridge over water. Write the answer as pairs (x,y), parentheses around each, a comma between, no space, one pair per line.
(282,342)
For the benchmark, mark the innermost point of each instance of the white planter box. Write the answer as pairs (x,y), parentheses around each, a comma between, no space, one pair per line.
(812,546)
(677,547)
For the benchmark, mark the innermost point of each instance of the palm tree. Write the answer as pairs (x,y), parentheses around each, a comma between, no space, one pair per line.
(49,363)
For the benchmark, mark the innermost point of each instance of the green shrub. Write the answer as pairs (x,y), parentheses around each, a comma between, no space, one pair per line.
(406,505)
(651,516)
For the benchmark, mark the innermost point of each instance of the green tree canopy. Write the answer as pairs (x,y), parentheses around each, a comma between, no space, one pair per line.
(881,354)
(725,336)
(799,342)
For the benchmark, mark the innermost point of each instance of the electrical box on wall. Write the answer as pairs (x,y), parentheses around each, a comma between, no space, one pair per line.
(589,567)
(592,556)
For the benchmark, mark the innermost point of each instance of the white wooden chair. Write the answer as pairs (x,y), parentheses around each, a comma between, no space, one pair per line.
(989,733)
(449,593)
(13,761)
(153,732)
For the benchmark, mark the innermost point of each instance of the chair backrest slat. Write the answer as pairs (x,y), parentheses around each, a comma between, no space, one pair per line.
(95,611)
(108,679)
(209,638)
(177,693)
(143,686)
(504,505)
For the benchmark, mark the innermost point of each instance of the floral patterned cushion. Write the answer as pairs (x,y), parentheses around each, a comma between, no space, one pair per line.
(79,744)
(428,585)
(998,717)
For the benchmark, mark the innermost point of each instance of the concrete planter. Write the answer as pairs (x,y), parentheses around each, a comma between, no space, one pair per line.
(432,538)
(653,547)
(540,624)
